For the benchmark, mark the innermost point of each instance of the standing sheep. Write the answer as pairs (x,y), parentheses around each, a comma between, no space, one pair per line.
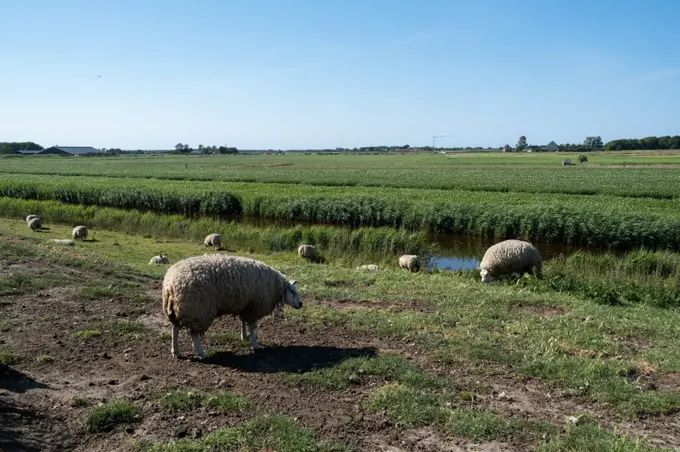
(160,259)
(214,240)
(30,217)
(307,251)
(199,289)
(35,224)
(79,232)
(510,256)
(410,262)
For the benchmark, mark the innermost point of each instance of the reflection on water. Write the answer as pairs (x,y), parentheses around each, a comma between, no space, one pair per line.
(456,252)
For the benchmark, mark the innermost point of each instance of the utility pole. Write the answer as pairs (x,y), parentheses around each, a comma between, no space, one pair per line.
(434,137)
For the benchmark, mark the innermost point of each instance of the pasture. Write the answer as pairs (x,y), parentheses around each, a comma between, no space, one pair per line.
(585,358)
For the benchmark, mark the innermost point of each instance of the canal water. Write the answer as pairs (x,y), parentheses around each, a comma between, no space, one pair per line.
(455,251)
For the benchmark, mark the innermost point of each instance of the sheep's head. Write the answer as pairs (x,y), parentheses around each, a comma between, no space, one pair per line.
(486,276)
(291,296)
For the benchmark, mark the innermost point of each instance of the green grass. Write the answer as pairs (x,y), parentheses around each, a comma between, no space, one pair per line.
(112,413)
(45,358)
(333,241)
(597,220)
(87,334)
(539,173)
(355,371)
(414,408)
(188,400)
(8,359)
(265,432)
(588,436)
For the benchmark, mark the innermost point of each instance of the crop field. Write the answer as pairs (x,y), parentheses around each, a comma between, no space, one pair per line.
(533,173)
(587,357)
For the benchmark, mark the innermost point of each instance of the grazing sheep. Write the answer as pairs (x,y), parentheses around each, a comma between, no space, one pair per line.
(30,217)
(307,251)
(35,224)
(214,240)
(160,259)
(199,289)
(566,162)
(370,267)
(79,232)
(510,256)
(64,242)
(410,262)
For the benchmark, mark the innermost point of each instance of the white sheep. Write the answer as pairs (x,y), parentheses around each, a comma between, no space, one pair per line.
(307,251)
(79,232)
(214,240)
(35,224)
(160,259)
(410,262)
(510,256)
(30,217)
(370,267)
(199,289)
(64,242)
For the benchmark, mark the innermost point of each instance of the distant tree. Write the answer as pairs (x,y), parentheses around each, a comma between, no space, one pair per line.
(179,147)
(522,143)
(507,148)
(11,147)
(593,142)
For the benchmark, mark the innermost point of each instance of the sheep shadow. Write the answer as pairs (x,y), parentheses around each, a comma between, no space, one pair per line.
(15,381)
(290,359)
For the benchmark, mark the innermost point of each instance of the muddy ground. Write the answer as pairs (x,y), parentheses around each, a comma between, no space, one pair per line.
(37,395)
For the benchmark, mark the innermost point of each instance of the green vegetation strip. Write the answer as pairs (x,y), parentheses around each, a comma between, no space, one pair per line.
(537,173)
(602,221)
(333,240)
(266,432)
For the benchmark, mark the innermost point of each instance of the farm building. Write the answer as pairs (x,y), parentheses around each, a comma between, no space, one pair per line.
(70,150)
(551,147)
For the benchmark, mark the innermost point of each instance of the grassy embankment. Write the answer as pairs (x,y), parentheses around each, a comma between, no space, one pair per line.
(619,361)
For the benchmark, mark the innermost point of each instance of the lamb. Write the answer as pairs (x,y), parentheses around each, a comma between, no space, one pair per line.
(510,256)
(35,224)
(370,267)
(214,240)
(64,242)
(79,232)
(307,251)
(160,259)
(199,289)
(30,217)
(410,262)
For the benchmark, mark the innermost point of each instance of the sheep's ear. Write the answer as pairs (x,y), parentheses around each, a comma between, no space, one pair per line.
(292,282)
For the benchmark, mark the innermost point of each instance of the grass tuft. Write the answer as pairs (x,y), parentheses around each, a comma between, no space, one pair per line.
(111,414)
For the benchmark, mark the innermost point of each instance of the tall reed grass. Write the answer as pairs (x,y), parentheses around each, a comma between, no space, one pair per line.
(381,243)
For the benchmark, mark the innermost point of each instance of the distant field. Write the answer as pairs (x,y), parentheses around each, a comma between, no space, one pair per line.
(539,173)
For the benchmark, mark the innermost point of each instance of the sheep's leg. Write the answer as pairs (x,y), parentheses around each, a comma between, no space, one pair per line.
(253,338)
(174,349)
(196,338)
(244,334)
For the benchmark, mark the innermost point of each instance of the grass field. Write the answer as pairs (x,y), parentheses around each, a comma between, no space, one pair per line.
(585,358)
(413,361)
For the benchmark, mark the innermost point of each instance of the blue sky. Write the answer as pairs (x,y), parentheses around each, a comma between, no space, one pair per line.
(326,73)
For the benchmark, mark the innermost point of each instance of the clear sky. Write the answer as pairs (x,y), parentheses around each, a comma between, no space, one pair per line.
(326,73)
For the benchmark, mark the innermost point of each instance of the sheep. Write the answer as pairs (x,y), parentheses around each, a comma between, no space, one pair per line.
(35,224)
(30,217)
(63,242)
(370,267)
(160,259)
(307,251)
(214,240)
(79,232)
(199,289)
(410,262)
(510,256)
